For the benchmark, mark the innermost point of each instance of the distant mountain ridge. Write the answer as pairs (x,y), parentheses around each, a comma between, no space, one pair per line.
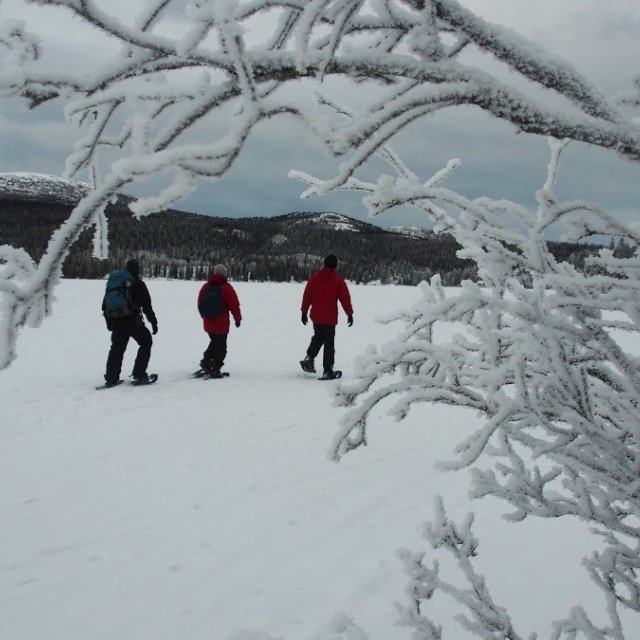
(41,187)
(328,219)
(37,187)
(176,244)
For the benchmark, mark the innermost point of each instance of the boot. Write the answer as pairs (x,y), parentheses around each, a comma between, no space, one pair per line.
(206,366)
(307,365)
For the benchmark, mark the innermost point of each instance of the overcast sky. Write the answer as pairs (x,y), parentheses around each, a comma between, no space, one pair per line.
(600,38)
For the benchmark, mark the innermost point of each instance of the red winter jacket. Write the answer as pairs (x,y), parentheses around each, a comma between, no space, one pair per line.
(322,293)
(231,304)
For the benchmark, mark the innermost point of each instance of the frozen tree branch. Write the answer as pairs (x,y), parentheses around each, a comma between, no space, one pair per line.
(540,359)
(526,58)
(484,617)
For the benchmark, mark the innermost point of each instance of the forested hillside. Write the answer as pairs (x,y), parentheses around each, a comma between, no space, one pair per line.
(175,244)
(182,245)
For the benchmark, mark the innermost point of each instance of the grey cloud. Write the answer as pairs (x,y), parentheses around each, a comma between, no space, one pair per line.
(37,141)
(601,43)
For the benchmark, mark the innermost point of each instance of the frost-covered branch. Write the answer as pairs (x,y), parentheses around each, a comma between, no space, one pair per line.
(483,616)
(540,359)
(26,288)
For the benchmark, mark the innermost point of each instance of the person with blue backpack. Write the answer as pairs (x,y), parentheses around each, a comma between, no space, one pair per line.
(216,300)
(126,299)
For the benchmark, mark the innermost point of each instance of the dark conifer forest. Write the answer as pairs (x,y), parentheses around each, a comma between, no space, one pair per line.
(180,245)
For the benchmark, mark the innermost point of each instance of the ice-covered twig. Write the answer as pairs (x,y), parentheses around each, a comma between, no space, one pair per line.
(483,617)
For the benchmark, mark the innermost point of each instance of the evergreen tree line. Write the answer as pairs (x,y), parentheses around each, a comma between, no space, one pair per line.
(178,245)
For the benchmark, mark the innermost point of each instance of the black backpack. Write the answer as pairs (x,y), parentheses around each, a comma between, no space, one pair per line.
(211,304)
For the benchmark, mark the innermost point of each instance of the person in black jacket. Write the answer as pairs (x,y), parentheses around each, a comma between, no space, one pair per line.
(131,326)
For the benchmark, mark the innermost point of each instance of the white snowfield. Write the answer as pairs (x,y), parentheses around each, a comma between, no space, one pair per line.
(204,510)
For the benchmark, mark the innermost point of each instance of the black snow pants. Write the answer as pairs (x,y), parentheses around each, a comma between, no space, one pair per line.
(215,353)
(323,338)
(121,330)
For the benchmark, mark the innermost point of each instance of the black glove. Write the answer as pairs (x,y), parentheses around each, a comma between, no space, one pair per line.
(304,318)
(154,328)
(108,321)
(237,323)
(350,320)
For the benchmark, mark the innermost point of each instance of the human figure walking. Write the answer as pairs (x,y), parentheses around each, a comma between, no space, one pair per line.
(130,324)
(322,293)
(216,299)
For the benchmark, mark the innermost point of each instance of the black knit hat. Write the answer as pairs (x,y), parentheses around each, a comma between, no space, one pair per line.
(331,262)
(133,267)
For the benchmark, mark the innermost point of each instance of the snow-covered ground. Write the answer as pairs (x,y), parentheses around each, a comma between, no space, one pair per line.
(200,510)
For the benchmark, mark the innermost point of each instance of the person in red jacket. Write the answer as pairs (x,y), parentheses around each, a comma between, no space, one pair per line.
(218,327)
(322,293)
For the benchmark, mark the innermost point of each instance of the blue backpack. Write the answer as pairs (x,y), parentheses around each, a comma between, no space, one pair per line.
(211,304)
(117,296)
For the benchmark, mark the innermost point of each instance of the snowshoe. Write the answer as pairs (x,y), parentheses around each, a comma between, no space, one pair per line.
(109,385)
(217,374)
(142,380)
(331,375)
(207,375)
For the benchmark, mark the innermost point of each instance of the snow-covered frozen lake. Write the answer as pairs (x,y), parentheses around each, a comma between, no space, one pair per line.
(200,510)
